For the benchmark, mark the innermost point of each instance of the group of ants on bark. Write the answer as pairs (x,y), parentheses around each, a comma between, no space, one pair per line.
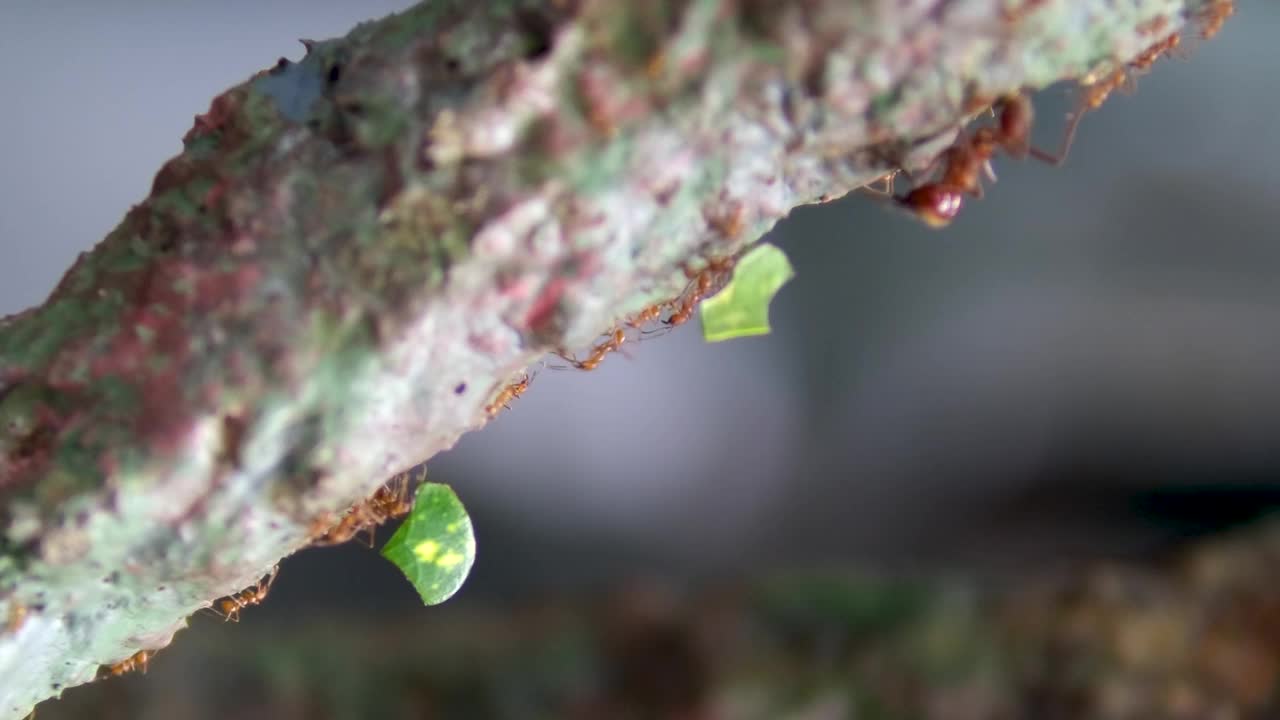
(936,203)
(958,172)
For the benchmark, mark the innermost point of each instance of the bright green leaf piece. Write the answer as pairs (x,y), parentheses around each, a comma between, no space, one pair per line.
(435,546)
(741,309)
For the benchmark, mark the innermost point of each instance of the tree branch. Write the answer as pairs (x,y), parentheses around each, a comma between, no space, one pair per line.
(356,252)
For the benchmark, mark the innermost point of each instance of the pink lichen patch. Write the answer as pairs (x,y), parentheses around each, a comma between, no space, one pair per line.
(216,119)
(215,194)
(135,345)
(607,100)
(512,286)
(109,463)
(164,419)
(225,288)
(490,343)
(31,451)
(544,306)
(151,350)
(243,244)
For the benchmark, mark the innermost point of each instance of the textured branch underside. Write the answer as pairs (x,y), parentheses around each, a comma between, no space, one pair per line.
(356,251)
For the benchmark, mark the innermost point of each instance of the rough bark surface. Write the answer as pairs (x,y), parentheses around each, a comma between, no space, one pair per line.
(355,252)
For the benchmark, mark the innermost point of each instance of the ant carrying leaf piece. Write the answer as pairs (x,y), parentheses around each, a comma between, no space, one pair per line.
(741,309)
(435,547)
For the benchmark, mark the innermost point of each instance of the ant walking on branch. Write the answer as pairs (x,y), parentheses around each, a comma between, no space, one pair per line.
(391,501)
(502,401)
(135,662)
(968,160)
(701,284)
(229,607)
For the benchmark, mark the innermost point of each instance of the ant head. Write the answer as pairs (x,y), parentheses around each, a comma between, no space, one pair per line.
(936,205)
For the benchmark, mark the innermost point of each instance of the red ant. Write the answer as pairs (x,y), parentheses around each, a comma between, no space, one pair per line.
(230,606)
(1148,57)
(731,223)
(645,316)
(389,502)
(1212,17)
(702,284)
(137,661)
(393,500)
(1095,93)
(508,393)
(598,353)
(937,203)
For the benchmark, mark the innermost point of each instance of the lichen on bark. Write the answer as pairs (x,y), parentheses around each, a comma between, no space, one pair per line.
(355,252)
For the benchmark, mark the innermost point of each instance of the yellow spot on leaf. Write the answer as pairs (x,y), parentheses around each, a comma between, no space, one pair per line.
(427,550)
(450,559)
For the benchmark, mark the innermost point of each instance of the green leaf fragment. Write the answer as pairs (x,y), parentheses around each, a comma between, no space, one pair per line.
(741,309)
(435,546)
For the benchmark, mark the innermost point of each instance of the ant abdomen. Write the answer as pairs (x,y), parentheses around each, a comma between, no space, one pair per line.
(935,204)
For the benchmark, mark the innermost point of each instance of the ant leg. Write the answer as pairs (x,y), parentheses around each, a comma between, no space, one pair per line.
(1068,137)
(886,180)
(656,331)
(268,581)
(929,169)
(571,359)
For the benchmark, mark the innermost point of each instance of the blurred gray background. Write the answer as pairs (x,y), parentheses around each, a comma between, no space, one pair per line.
(1084,366)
